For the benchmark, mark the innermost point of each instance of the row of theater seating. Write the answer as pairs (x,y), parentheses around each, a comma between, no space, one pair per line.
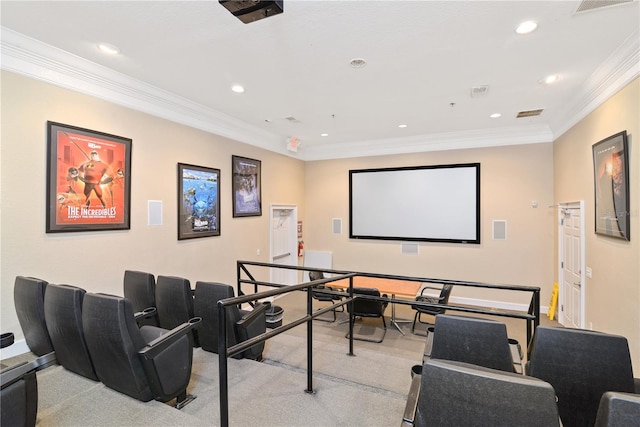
(105,338)
(573,378)
(176,302)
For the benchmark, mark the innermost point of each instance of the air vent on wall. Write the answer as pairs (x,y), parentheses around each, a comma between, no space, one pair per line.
(529,113)
(596,4)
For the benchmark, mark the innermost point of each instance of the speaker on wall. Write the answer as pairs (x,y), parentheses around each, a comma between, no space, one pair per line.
(154,212)
(499,229)
(337,226)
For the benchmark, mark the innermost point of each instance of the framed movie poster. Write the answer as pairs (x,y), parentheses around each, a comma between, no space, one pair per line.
(247,188)
(198,201)
(88,180)
(611,179)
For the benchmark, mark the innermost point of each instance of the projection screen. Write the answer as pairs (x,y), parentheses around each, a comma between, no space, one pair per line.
(423,203)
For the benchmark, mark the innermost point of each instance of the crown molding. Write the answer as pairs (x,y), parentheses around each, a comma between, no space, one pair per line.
(29,57)
(617,71)
(32,58)
(433,142)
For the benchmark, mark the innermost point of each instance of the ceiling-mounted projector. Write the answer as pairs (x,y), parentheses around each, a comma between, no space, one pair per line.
(253,10)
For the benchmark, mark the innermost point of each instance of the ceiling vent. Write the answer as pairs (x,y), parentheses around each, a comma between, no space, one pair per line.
(292,119)
(529,113)
(479,91)
(253,10)
(586,5)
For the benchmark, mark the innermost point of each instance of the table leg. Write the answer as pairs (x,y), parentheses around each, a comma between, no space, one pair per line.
(393,316)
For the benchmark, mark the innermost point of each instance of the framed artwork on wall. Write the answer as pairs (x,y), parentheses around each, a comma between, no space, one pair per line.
(611,183)
(247,187)
(198,201)
(88,180)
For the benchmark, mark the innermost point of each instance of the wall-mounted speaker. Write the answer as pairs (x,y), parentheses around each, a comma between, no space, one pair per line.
(337,226)
(154,210)
(499,229)
(253,10)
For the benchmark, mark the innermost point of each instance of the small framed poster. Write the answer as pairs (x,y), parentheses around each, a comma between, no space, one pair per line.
(611,183)
(247,187)
(198,201)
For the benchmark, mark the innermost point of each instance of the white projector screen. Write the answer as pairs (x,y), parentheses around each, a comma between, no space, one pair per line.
(425,203)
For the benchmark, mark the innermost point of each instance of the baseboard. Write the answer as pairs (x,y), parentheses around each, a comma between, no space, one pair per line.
(17,348)
(494,304)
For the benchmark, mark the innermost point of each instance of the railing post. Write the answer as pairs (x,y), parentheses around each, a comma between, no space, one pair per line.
(238,273)
(309,343)
(222,366)
(351,317)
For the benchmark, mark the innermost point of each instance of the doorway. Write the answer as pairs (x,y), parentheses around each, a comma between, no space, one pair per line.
(571,267)
(283,238)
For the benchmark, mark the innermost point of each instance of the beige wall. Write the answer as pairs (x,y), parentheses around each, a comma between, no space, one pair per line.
(511,178)
(613,294)
(96,260)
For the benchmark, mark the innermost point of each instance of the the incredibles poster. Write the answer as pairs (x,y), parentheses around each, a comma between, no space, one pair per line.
(89,180)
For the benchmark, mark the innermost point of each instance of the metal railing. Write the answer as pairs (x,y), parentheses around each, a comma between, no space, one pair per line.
(532,317)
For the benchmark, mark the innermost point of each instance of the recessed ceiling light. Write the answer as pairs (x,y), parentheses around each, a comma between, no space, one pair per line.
(402,126)
(237,88)
(358,63)
(549,79)
(495,115)
(324,134)
(109,48)
(526,27)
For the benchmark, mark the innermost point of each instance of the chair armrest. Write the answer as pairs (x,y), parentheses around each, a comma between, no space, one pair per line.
(258,311)
(516,355)
(430,287)
(155,347)
(145,314)
(13,373)
(412,401)
(250,326)
(430,299)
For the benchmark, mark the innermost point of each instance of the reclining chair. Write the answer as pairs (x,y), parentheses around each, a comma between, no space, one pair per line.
(19,391)
(460,394)
(478,341)
(318,294)
(618,409)
(241,324)
(144,363)
(63,313)
(140,289)
(363,307)
(581,366)
(174,302)
(19,388)
(28,295)
(19,398)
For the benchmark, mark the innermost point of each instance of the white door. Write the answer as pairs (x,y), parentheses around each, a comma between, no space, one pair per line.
(572,270)
(284,243)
